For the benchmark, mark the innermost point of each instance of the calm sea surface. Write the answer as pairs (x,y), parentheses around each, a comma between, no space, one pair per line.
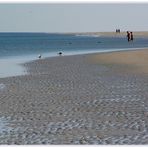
(19,44)
(16,48)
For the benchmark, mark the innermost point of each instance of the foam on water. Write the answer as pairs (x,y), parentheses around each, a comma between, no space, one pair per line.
(88,35)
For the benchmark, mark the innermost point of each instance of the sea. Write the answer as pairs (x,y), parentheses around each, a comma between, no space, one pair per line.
(16,48)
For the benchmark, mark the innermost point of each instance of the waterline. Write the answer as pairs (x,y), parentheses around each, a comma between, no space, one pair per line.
(12,66)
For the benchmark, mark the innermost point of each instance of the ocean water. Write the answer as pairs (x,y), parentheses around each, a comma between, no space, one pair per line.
(17,48)
(18,44)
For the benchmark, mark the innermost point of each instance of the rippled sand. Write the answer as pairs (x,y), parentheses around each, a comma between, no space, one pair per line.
(72,100)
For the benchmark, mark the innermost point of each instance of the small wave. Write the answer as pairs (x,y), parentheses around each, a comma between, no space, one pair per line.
(88,35)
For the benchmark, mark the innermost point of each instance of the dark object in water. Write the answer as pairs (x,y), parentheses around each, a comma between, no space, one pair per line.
(70,43)
(60,53)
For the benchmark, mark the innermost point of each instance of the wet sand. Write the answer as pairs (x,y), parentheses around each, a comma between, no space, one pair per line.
(80,99)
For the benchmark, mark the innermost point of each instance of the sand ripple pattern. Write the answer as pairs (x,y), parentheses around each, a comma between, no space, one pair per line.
(68,100)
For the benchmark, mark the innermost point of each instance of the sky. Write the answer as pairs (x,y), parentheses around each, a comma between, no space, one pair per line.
(81,17)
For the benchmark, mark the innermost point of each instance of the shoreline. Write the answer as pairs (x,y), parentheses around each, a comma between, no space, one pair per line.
(17,62)
(85,102)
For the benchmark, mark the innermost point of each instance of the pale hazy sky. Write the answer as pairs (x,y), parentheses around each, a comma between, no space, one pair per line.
(73,17)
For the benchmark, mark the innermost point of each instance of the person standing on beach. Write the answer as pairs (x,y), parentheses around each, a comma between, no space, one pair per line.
(131,36)
(128,36)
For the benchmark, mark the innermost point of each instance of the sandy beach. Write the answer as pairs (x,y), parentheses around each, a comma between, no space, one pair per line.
(79,99)
(136,34)
(134,61)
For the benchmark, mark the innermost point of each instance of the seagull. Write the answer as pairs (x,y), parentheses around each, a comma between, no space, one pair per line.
(60,53)
(39,56)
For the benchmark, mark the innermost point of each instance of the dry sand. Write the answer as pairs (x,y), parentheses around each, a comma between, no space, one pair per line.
(134,61)
(72,100)
(114,34)
(135,33)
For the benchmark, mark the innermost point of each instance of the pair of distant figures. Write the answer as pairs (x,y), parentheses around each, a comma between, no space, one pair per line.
(130,36)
